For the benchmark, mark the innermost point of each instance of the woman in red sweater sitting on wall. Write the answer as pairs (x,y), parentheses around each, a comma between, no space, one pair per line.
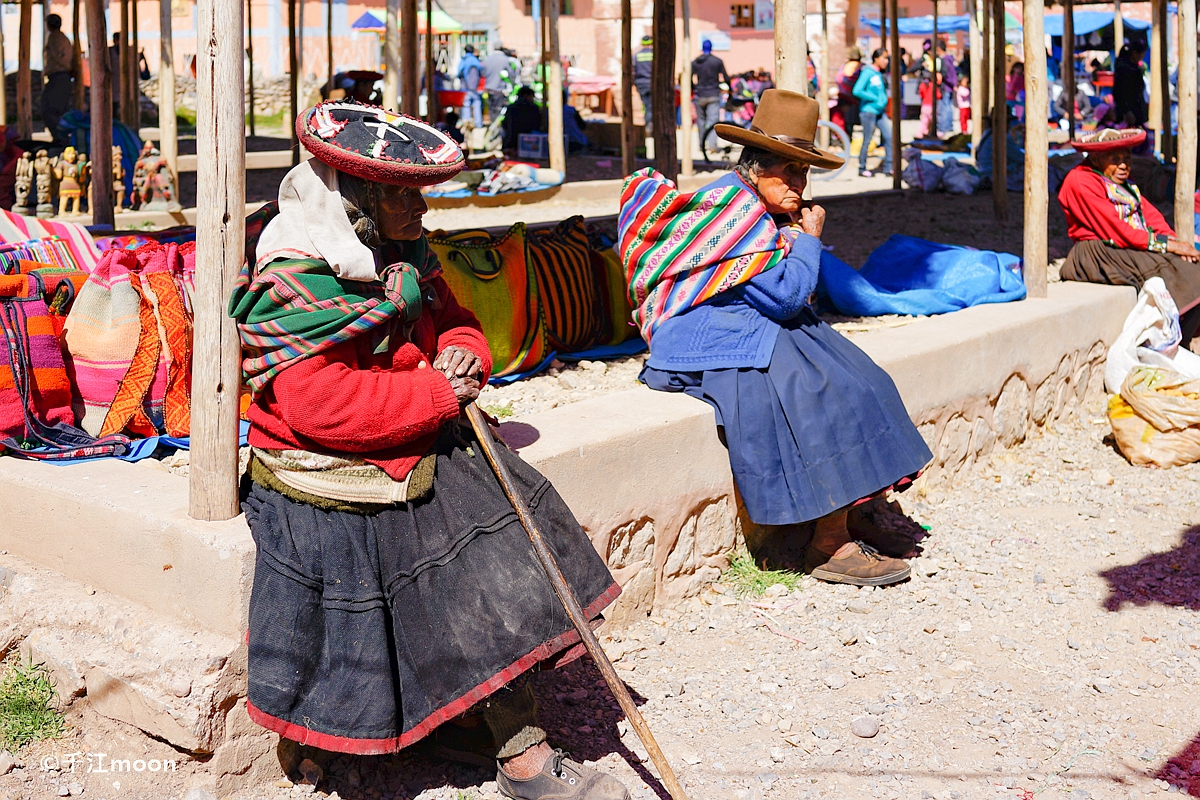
(1121,238)
(394,587)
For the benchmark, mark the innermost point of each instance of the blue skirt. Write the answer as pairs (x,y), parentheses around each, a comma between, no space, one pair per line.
(817,430)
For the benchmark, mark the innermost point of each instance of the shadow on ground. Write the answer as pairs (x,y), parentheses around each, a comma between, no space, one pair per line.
(1171,578)
(1183,769)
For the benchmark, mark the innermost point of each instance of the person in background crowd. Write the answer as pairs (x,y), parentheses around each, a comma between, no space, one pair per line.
(845,110)
(708,73)
(1014,155)
(499,75)
(949,83)
(1120,237)
(523,116)
(449,126)
(470,71)
(643,71)
(1129,86)
(58,59)
(872,93)
(962,96)
(114,66)
(925,92)
(1015,86)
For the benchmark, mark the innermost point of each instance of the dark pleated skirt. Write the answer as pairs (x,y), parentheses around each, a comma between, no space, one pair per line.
(820,429)
(369,631)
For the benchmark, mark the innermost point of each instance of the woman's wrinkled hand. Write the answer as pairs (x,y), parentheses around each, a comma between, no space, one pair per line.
(1184,250)
(457,362)
(466,390)
(812,220)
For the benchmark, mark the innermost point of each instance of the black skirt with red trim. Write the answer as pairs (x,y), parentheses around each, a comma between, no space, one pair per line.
(367,631)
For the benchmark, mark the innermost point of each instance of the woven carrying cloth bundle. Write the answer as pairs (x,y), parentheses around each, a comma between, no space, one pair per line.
(680,250)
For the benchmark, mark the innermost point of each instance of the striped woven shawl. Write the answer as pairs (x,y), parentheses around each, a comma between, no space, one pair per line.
(292,309)
(679,250)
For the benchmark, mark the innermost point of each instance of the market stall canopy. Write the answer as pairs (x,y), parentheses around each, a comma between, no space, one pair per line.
(923,26)
(442,22)
(1086,22)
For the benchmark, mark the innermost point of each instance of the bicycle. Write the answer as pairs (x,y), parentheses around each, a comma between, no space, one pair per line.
(725,150)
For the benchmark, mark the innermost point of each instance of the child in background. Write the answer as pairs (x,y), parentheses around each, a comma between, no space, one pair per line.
(925,90)
(962,96)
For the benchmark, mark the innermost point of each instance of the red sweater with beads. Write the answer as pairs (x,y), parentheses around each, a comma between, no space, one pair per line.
(1091,214)
(385,408)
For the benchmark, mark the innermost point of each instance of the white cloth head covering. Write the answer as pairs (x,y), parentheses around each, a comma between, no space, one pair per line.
(312,223)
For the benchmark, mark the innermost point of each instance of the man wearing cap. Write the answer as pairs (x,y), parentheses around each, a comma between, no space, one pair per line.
(58,61)
(469,73)
(499,74)
(395,591)
(708,73)
(812,425)
(1121,238)
(643,74)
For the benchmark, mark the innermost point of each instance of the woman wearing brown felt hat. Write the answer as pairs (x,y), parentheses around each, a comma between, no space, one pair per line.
(813,426)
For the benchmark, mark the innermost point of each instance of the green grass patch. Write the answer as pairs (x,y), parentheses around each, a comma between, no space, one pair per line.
(748,579)
(28,705)
(499,412)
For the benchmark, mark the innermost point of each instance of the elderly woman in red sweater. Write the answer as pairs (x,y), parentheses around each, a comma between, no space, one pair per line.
(394,587)
(1120,238)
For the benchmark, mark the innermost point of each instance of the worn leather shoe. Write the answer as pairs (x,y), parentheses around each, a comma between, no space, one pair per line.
(562,779)
(866,566)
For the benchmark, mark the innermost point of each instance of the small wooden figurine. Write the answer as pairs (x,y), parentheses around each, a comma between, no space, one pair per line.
(153,184)
(70,190)
(24,183)
(118,173)
(44,170)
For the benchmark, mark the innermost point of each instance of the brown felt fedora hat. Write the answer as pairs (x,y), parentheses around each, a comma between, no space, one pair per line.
(784,123)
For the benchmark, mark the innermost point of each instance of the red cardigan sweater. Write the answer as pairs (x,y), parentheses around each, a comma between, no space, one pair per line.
(386,408)
(1091,215)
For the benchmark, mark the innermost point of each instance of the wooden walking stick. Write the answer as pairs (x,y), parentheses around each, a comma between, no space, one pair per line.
(480,424)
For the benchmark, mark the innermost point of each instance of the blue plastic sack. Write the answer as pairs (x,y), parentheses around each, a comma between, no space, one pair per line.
(907,275)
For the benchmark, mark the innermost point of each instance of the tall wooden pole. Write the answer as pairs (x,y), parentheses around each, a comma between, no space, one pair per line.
(999,117)
(123,62)
(686,167)
(1185,167)
(1156,96)
(135,91)
(76,58)
(329,44)
(662,88)
(897,88)
(823,76)
(554,109)
(791,45)
(403,53)
(937,87)
(628,144)
(1067,67)
(101,199)
(24,74)
(293,81)
(392,94)
(1118,30)
(250,66)
(168,134)
(432,107)
(1037,152)
(220,250)
(4,94)
(984,87)
(1164,85)
(977,74)
(300,6)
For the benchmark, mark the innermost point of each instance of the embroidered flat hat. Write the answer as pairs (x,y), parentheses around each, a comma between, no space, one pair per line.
(374,144)
(1109,139)
(784,123)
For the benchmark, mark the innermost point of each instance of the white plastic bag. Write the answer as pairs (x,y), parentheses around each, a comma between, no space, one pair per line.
(1150,338)
(921,174)
(957,178)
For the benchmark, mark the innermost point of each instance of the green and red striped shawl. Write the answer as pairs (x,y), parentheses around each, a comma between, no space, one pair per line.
(291,309)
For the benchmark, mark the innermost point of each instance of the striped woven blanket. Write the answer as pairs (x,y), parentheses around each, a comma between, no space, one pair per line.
(679,250)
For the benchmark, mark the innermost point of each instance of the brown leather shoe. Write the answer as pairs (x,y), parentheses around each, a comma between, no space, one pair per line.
(865,567)
(562,779)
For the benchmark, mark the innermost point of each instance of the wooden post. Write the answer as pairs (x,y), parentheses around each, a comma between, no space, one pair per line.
(978,82)
(135,91)
(24,74)
(628,143)
(999,117)
(984,88)
(4,94)
(250,59)
(432,109)
(554,109)
(300,6)
(1068,65)
(1185,167)
(391,59)
(662,88)
(100,157)
(76,59)
(897,89)
(123,62)
(405,57)
(1037,152)
(168,134)
(937,88)
(823,76)
(293,81)
(1118,30)
(686,167)
(329,45)
(1156,97)
(220,250)
(1164,84)
(791,45)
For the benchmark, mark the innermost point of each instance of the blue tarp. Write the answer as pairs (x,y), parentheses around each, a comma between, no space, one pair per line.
(923,26)
(368,22)
(907,275)
(1086,22)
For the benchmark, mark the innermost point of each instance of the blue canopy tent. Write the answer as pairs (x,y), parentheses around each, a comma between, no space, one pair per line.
(368,22)
(923,26)
(1088,21)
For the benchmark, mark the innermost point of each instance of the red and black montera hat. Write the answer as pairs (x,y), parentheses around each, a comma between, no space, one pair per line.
(375,144)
